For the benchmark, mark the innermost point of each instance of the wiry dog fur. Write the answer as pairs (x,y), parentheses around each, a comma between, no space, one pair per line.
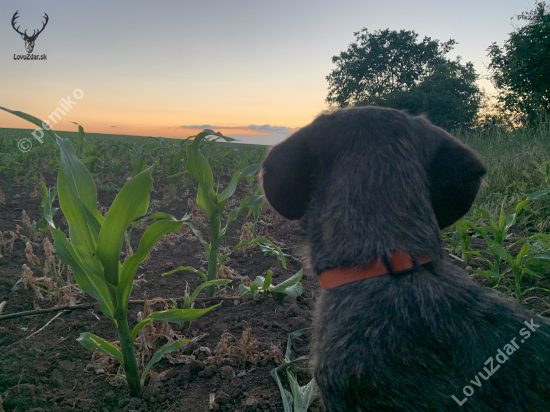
(366,182)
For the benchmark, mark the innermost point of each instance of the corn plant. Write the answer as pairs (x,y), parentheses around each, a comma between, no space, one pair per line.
(300,397)
(46,208)
(174,153)
(499,232)
(11,168)
(518,266)
(89,153)
(505,222)
(460,239)
(190,299)
(213,202)
(290,287)
(244,161)
(94,254)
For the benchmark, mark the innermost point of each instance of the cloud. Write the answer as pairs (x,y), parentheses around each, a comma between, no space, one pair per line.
(269,128)
(113,126)
(262,128)
(267,140)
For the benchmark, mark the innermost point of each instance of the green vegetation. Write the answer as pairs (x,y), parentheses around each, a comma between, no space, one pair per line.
(500,247)
(515,196)
(300,397)
(291,287)
(395,69)
(520,69)
(94,254)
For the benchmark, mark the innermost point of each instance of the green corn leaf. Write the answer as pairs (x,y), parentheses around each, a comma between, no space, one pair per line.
(200,170)
(206,199)
(209,283)
(500,251)
(34,120)
(83,226)
(267,281)
(168,348)
(89,282)
(539,236)
(198,234)
(78,200)
(294,290)
(89,159)
(158,215)
(47,210)
(171,315)
(190,268)
(522,253)
(259,281)
(292,335)
(131,202)
(78,178)
(530,272)
(80,136)
(289,282)
(96,344)
(303,396)
(249,171)
(286,396)
(538,195)
(488,274)
(248,203)
(131,265)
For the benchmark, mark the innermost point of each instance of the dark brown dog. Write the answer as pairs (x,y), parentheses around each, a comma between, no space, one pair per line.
(367,182)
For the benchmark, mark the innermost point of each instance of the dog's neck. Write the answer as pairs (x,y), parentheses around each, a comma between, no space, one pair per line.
(348,226)
(401,263)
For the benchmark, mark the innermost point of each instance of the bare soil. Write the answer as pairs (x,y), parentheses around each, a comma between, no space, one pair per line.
(47,372)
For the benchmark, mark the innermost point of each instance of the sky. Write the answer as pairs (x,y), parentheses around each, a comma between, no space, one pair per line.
(252,69)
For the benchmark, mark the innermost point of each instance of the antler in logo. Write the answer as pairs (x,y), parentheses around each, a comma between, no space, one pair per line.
(29,40)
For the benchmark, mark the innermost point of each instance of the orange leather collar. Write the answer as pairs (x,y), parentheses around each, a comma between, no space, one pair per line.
(401,262)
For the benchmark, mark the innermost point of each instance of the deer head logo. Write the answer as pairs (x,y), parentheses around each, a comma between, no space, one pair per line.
(29,40)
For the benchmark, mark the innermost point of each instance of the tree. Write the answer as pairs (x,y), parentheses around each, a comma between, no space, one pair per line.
(521,69)
(395,69)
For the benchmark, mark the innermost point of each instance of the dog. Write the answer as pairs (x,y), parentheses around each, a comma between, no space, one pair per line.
(396,327)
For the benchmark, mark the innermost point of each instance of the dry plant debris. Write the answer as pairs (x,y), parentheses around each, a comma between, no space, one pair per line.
(244,350)
(57,281)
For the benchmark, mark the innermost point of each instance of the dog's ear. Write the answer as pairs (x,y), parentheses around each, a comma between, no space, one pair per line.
(287,176)
(455,174)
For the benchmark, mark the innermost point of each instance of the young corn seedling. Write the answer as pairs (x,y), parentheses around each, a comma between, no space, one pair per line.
(499,232)
(214,203)
(518,266)
(300,397)
(190,299)
(244,162)
(174,153)
(94,254)
(46,208)
(290,287)
(460,238)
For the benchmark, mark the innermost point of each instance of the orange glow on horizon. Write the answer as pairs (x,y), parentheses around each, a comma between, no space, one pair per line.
(13,122)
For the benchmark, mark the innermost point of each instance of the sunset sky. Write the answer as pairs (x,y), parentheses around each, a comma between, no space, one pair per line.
(172,68)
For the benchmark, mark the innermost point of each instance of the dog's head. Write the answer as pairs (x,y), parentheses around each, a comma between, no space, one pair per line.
(381,151)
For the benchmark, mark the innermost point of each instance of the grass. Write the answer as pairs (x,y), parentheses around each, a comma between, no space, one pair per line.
(515,162)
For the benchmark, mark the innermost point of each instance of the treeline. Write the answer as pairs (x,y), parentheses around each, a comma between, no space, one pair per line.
(397,69)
